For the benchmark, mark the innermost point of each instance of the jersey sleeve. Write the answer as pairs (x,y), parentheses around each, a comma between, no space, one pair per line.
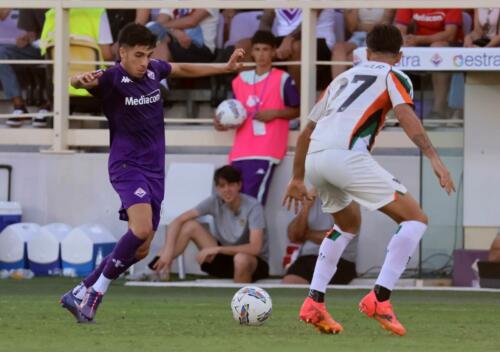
(163,68)
(399,88)
(105,85)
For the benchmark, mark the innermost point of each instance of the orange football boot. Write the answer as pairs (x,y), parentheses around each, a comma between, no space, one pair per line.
(381,312)
(315,313)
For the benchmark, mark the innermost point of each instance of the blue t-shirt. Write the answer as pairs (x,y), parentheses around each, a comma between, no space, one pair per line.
(134,109)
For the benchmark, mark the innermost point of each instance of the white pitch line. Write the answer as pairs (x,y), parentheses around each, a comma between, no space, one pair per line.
(206,284)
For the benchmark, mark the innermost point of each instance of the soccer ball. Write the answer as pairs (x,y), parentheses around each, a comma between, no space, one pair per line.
(231,113)
(251,305)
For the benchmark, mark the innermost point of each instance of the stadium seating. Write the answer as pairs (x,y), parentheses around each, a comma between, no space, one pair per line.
(80,50)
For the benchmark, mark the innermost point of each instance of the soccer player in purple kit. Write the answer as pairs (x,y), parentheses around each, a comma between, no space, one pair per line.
(132,103)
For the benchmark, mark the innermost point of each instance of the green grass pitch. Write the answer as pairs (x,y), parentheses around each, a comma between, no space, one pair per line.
(199,319)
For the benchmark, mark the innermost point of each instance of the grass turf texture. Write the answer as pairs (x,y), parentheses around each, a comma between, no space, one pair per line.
(199,319)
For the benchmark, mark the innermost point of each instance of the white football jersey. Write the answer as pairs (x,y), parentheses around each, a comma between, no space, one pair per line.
(353,108)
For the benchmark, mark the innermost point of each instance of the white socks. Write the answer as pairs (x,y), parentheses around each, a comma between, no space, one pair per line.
(330,251)
(102,284)
(79,290)
(399,251)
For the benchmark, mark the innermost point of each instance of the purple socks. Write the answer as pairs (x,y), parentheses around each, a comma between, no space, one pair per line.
(114,264)
(123,255)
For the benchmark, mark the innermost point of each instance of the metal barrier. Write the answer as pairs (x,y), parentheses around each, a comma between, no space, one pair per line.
(61,137)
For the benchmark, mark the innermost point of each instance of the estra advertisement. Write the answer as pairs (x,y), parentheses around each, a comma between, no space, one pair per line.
(443,59)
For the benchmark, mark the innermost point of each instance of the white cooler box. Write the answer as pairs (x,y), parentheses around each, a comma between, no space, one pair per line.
(83,247)
(44,249)
(13,245)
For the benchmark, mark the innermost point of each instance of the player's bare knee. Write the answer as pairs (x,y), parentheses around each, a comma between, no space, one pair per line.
(143,231)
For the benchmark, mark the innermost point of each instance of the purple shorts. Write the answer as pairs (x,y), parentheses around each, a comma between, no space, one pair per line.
(256,175)
(133,187)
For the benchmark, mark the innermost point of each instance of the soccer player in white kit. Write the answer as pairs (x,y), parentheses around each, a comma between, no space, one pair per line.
(333,151)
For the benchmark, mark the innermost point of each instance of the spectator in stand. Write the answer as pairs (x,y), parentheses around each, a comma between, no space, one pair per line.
(186,35)
(118,18)
(308,229)
(358,22)
(434,28)
(486,32)
(285,24)
(20,31)
(261,141)
(91,24)
(239,250)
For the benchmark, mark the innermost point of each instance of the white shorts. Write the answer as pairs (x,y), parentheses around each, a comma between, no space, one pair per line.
(341,176)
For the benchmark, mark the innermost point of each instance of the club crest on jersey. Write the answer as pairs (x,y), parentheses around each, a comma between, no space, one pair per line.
(125,79)
(151,74)
(139,192)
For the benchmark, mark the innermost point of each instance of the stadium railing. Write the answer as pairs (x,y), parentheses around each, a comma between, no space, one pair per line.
(61,138)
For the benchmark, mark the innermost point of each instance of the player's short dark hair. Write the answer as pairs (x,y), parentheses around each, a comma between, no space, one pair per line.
(384,38)
(228,173)
(134,34)
(264,37)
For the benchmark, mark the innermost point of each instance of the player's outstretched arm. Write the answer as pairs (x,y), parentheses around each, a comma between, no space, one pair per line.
(86,80)
(296,191)
(416,132)
(196,70)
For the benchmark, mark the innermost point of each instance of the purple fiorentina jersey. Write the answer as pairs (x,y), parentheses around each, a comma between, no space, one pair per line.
(134,109)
